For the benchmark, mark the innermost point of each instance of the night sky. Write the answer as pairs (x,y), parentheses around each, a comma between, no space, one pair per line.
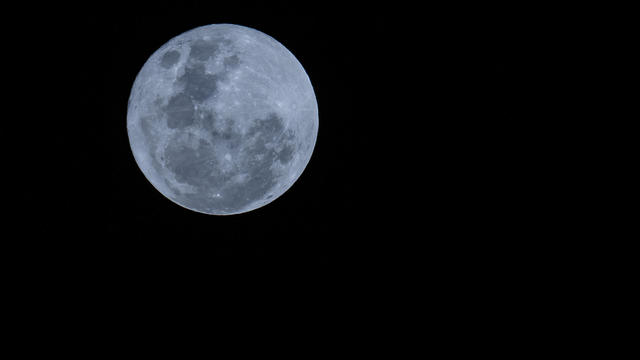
(413,108)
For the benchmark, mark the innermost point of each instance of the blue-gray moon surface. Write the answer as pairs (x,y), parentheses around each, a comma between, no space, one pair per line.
(222,119)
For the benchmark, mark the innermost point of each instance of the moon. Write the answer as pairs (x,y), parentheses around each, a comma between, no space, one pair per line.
(222,119)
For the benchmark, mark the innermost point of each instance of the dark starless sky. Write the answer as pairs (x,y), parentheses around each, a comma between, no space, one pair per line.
(415,186)
(321,216)
(409,102)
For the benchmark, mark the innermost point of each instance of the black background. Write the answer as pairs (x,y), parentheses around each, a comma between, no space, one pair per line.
(414,105)
(419,202)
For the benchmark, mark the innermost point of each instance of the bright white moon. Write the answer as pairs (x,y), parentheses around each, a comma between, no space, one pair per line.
(222,119)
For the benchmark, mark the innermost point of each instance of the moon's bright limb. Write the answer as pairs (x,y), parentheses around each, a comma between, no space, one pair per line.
(222,119)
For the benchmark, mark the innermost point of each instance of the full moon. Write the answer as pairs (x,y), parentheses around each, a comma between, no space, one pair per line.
(222,119)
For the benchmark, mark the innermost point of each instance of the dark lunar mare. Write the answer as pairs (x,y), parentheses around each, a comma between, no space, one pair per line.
(197,84)
(169,59)
(259,159)
(200,169)
(180,111)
